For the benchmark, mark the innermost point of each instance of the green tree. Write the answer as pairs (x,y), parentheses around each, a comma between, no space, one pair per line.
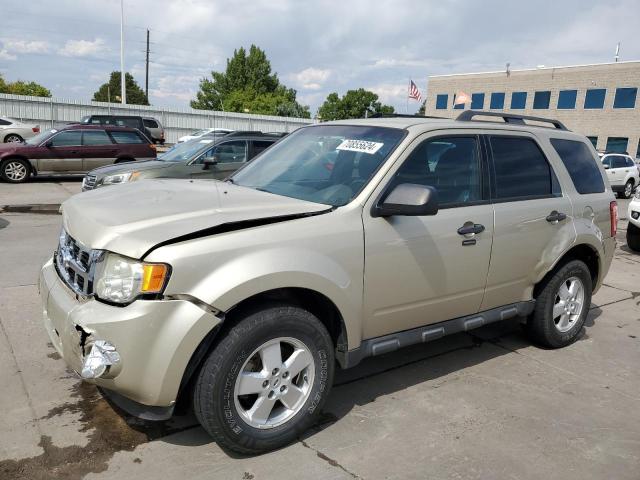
(422,109)
(248,84)
(21,87)
(354,104)
(135,95)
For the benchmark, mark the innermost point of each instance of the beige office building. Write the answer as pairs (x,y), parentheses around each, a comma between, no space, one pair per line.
(599,101)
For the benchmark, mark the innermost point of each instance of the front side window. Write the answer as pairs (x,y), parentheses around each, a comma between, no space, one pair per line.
(541,100)
(67,139)
(449,164)
(126,137)
(594,98)
(260,145)
(497,101)
(581,165)
(625,98)
(521,169)
(619,161)
(441,101)
(328,164)
(477,101)
(617,144)
(96,137)
(518,100)
(567,99)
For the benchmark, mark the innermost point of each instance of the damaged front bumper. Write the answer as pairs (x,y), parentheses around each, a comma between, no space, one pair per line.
(141,350)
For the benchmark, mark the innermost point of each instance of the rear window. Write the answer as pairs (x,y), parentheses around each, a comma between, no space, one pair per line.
(150,123)
(581,165)
(126,137)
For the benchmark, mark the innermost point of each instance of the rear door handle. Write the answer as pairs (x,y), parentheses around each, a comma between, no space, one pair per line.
(471,229)
(555,217)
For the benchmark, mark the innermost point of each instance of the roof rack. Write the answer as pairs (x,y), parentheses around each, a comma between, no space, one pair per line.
(401,115)
(239,133)
(468,116)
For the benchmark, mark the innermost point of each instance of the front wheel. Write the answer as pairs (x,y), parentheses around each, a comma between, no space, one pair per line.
(264,384)
(561,306)
(633,237)
(15,170)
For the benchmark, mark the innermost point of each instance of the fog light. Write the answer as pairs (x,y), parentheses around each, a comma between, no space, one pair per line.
(102,355)
(635,215)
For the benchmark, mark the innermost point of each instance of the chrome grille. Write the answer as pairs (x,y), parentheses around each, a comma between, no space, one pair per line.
(75,264)
(89,182)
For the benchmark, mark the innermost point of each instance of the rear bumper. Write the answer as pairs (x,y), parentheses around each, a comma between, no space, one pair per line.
(155,339)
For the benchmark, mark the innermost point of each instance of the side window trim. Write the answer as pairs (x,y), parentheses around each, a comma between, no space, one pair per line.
(554,177)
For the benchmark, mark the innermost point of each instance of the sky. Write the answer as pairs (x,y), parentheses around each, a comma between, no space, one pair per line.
(316,47)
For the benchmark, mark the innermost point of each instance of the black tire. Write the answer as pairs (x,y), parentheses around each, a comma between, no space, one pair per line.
(541,326)
(9,171)
(633,237)
(628,190)
(13,137)
(214,389)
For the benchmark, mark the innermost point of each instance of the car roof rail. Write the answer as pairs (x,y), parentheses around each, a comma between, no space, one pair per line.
(401,115)
(512,118)
(240,133)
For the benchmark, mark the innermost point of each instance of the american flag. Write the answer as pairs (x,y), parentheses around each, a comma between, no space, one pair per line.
(414,92)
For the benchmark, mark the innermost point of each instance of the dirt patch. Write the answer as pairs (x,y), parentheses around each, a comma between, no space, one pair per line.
(110,432)
(54,356)
(44,208)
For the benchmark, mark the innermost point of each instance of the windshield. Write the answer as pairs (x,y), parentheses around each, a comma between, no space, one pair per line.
(183,152)
(324,164)
(41,137)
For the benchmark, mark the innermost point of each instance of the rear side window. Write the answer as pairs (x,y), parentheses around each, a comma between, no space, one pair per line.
(150,123)
(581,165)
(128,122)
(126,137)
(4,122)
(521,169)
(619,162)
(96,137)
(260,145)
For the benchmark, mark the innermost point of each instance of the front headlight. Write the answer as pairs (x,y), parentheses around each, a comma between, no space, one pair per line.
(637,194)
(120,178)
(120,279)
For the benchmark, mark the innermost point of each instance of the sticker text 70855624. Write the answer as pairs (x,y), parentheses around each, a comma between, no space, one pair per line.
(363,146)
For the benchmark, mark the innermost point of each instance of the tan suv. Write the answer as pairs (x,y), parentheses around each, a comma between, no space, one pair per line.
(345,240)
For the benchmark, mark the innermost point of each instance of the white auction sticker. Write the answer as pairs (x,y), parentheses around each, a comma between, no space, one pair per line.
(360,146)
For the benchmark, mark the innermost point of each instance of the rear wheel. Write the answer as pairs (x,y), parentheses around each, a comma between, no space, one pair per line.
(633,237)
(562,306)
(628,190)
(264,384)
(15,170)
(13,138)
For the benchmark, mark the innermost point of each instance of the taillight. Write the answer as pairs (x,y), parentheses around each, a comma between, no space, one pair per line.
(36,129)
(613,213)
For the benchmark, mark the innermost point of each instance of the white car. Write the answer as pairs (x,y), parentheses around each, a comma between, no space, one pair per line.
(622,173)
(203,132)
(633,229)
(12,130)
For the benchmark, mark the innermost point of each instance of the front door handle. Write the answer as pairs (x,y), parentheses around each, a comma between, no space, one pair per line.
(471,229)
(555,217)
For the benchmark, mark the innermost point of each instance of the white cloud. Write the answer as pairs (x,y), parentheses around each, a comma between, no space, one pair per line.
(24,46)
(310,78)
(5,55)
(83,48)
(174,87)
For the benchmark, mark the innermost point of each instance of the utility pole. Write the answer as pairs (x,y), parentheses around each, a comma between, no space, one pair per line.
(146,83)
(123,90)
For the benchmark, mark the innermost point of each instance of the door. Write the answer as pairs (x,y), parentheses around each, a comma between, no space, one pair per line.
(64,153)
(98,149)
(421,270)
(532,218)
(228,157)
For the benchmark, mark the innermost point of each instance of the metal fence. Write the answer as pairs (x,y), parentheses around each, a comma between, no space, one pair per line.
(52,112)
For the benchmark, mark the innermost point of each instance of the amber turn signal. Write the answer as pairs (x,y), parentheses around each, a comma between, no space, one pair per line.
(153,277)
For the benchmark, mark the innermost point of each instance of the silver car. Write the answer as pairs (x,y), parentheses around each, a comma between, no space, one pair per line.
(12,130)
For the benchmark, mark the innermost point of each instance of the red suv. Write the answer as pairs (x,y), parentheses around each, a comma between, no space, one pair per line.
(73,149)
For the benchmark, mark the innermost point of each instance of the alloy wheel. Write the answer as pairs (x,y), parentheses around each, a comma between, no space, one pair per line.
(569,304)
(15,171)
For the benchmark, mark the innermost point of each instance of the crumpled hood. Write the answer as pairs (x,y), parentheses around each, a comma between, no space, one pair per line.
(132,218)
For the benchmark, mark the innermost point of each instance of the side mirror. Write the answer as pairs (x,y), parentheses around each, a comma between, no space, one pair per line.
(408,199)
(606,167)
(210,162)
(49,144)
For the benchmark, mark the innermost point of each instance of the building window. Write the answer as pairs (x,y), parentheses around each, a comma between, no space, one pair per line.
(594,141)
(441,101)
(459,106)
(595,98)
(567,99)
(541,100)
(625,98)
(497,101)
(518,100)
(617,144)
(477,101)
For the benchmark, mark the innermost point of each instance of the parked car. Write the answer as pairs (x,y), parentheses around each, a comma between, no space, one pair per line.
(203,132)
(622,172)
(633,229)
(14,131)
(243,294)
(210,156)
(73,149)
(155,128)
(130,121)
